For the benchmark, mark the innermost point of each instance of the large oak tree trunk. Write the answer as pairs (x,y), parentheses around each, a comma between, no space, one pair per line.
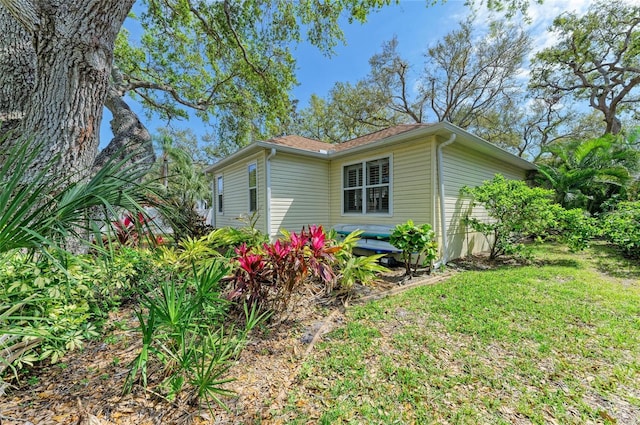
(17,70)
(59,102)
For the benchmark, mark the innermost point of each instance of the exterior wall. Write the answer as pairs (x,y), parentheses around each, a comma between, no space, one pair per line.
(466,167)
(411,188)
(299,192)
(236,192)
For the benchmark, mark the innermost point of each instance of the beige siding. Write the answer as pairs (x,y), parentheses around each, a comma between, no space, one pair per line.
(299,192)
(466,167)
(410,184)
(236,192)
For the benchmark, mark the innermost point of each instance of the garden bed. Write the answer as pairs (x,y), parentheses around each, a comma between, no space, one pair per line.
(87,385)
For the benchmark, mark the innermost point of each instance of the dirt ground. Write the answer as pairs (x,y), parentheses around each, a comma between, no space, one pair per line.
(85,387)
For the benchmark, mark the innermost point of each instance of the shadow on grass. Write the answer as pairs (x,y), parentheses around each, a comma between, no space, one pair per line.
(602,256)
(560,262)
(554,256)
(608,260)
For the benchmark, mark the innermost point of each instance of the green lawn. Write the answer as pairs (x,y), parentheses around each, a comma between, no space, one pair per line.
(554,342)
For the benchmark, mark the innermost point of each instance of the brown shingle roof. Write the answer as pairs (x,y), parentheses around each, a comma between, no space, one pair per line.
(378,135)
(300,142)
(313,145)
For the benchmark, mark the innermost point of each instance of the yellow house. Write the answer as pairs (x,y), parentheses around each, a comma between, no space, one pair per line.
(412,171)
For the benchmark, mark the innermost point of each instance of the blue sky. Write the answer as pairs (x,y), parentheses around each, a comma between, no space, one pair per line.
(416,26)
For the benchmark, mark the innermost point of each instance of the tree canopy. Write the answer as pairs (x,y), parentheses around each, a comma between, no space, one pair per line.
(596,58)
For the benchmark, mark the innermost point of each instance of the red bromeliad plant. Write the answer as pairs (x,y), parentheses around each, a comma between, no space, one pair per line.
(271,276)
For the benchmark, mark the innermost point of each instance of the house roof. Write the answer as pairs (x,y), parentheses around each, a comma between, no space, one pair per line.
(303,143)
(316,148)
(378,135)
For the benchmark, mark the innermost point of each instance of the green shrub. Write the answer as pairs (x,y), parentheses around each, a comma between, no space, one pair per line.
(517,212)
(188,253)
(575,227)
(350,268)
(415,240)
(622,227)
(226,239)
(45,306)
(183,329)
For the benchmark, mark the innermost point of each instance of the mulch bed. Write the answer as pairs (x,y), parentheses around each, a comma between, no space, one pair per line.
(85,387)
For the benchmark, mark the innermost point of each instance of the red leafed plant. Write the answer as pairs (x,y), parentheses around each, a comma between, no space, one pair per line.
(269,277)
(131,228)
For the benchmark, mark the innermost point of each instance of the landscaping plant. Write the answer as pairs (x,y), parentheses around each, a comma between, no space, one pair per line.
(622,228)
(269,276)
(415,240)
(183,330)
(518,212)
(350,268)
(44,309)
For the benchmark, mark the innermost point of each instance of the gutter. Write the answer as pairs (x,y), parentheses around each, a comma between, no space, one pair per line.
(443,216)
(268,206)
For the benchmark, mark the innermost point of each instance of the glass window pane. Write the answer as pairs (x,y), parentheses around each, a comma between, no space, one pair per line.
(253,200)
(353,200)
(378,199)
(373,172)
(252,175)
(353,175)
(378,171)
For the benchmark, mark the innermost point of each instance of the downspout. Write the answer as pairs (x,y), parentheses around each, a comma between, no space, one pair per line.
(268,207)
(443,219)
(214,207)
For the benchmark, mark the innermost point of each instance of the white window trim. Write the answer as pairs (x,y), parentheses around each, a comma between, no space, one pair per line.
(364,213)
(219,211)
(249,188)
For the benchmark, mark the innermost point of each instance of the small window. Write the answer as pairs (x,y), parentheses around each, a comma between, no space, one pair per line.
(368,195)
(220,193)
(253,188)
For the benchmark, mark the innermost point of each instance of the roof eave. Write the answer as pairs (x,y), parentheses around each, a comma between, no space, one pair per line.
(264,145)
(440,128)
(481,145)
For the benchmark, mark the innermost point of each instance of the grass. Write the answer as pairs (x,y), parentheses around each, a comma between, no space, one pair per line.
(554,342)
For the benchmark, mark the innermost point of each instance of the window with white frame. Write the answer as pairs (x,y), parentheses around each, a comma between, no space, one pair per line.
(220,193)
(253,187)
(366,187)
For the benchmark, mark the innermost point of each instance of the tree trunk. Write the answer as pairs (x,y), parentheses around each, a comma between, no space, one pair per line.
(17,71)
(73,46)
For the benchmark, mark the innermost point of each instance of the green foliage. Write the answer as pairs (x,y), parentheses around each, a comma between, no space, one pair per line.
(351,269)
(184,183)
(45,308)
(415,240)
(622,227)
(516,212)
(227,59)
(595,59)
(227,239)
(40,210)
(575,227)
(183,330)
(590,174)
